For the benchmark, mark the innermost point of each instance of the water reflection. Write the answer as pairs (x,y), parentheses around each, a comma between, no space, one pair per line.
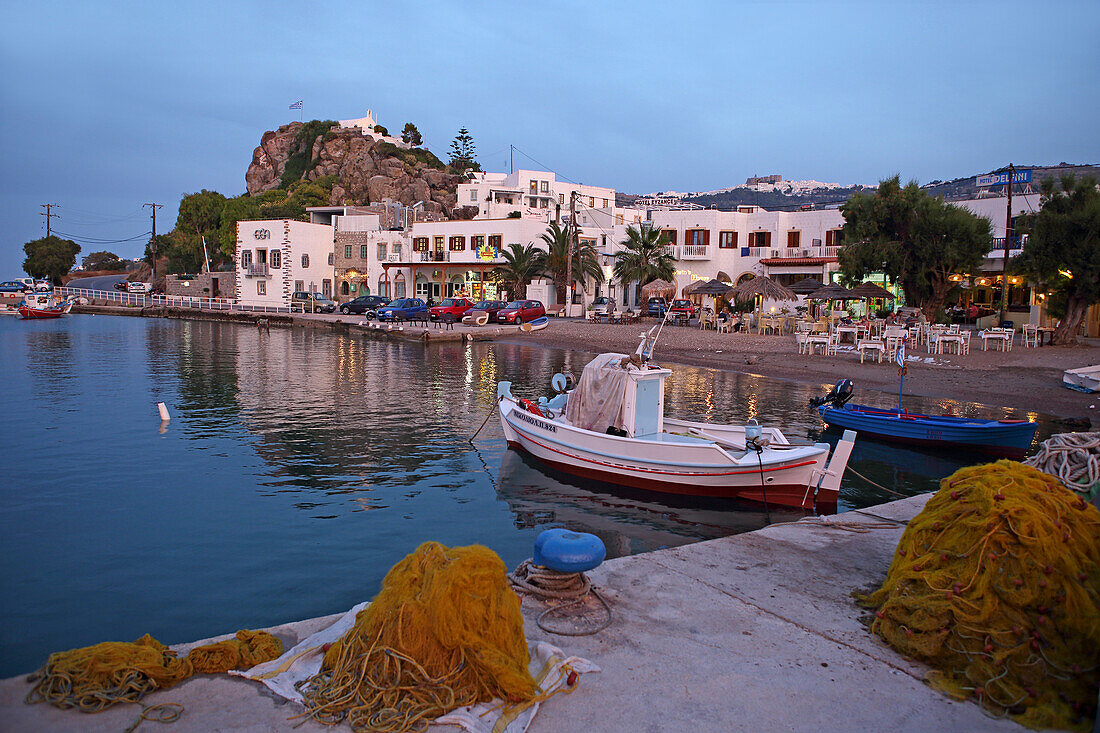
(300,465)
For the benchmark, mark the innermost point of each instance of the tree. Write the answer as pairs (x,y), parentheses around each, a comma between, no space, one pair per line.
(97,261)
(918,240)
(586,260)
(50,257)
(199,216)
(1062,251)
(522,262)
(463,151)
(411,136)
(643,257)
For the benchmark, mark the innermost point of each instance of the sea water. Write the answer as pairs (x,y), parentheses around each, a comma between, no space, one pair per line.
(300,464)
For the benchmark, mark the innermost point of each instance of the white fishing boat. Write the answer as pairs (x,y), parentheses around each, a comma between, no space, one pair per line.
(611,427)
(1085,379)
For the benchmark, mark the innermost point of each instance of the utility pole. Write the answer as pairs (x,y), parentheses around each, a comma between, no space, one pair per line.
(569,253)
(1008,243)
(153,241)
(511,169)
(48,216)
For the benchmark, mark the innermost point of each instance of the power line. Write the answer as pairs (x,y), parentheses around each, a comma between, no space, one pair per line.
(546,167)
(80,239)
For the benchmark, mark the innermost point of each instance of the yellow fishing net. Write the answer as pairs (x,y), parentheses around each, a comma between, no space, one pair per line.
(444,632)
(996,584)
(93,678)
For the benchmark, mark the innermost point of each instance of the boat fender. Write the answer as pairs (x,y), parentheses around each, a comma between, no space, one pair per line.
(531,407)
(568,552)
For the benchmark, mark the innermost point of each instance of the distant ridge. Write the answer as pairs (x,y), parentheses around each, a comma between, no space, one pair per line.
(792,195)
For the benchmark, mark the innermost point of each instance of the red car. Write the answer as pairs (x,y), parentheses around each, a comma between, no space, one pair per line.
(457,307)
(521,311)
(683,305)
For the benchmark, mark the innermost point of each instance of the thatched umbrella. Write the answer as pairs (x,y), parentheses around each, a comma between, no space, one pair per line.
(832,291)
(765,287)
(659,288)
(806,286)
(710,289)
(870,290)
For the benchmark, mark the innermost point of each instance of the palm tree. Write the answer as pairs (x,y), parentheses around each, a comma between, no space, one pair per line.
(522,262)
(586,260)
(643,257)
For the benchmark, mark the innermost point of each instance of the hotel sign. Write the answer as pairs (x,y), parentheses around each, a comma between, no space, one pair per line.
(1001,179)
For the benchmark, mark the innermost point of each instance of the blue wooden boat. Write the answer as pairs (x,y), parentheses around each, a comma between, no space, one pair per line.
(1009,438)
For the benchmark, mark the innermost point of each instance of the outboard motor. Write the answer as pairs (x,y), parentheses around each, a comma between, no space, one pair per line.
(838,395)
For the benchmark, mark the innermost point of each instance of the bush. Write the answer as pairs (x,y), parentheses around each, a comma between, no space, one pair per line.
(381,130)
(514,215)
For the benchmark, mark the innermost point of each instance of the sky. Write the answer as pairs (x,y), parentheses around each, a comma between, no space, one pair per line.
(110,105)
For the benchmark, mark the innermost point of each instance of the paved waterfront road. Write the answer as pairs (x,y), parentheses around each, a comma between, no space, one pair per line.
(102,282)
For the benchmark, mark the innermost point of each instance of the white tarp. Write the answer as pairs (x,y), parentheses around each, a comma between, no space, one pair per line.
(596,403)
(550,667)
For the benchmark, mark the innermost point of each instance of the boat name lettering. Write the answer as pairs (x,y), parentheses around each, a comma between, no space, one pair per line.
(537,423)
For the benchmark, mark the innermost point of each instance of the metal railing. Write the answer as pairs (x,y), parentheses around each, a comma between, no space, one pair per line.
(444,256)
(695,252)
(257,269)
(111,297)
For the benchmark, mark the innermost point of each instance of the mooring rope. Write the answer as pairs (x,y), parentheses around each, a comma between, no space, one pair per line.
(572,588)
(1072,458)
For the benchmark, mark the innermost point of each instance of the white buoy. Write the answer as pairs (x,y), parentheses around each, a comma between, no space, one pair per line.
(163,411)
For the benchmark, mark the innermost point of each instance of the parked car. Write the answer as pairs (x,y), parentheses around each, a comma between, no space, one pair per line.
(604,305)
(492,307)
(683,305)
(457,307)
(403,309)
(306,302)
(521,311)
(139,287)
(364,304)
(12,286)
(656,307)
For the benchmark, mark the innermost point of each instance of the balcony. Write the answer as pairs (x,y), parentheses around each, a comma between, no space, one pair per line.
(695,252)
(444,256)
(258,269)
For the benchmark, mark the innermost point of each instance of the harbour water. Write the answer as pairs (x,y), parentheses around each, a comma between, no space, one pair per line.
(300,464)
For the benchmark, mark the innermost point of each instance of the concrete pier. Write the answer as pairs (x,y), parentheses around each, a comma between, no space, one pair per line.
(752,632)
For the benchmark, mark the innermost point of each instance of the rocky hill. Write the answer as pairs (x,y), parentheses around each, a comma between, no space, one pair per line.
(361,169)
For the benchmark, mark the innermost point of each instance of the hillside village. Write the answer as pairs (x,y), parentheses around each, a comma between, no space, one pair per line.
(398,222)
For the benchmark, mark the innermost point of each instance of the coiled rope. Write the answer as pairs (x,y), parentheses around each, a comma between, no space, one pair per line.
(1072,458)
(573,588)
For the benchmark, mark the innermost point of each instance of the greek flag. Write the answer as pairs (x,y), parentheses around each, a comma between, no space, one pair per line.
(296,105)
(901,354)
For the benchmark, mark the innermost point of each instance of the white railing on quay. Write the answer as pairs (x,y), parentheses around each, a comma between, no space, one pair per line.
(173,301)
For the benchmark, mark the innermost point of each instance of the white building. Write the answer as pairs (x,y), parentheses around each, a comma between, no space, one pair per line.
(386,251)
(534,194)
(277,257)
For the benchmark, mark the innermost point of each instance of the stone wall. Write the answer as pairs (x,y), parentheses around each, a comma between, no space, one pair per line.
(202,285)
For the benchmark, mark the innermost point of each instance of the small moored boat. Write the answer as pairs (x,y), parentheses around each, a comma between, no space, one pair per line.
(535,325)
(1085,379)
(1009,438)
(37,305)
(611,427)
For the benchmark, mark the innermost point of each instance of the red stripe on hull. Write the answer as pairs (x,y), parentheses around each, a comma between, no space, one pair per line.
(789,495)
